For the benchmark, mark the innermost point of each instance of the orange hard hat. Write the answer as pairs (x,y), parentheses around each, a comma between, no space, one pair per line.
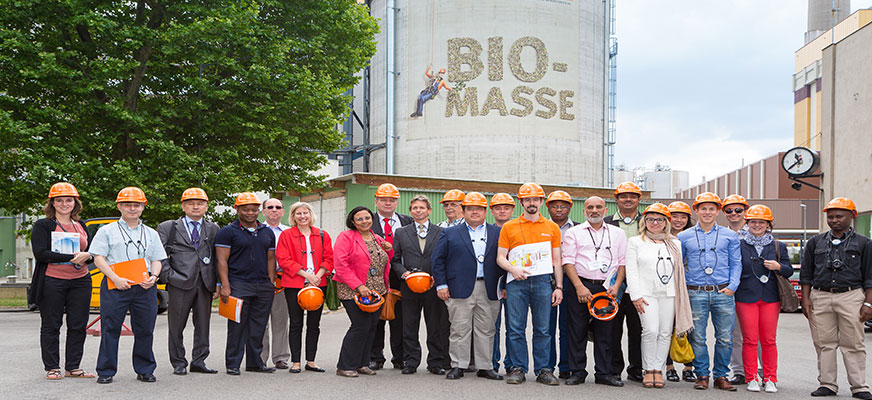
(419,282)
(371,303)
(194,193)
(679,206)
(245,198)
(310,298)
(706,197)
(841,203)
(62,189)
(387,190)
(658,208)
(602,306)
(502,198)
(474,199)
(735,199)
(442,70)
(759,211)
(452,195)
(628,187)
(530,190)
(559,195)
(131,194)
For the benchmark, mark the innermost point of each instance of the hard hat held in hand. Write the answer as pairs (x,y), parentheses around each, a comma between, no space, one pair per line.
(310,298)
(419,282)
(371,303)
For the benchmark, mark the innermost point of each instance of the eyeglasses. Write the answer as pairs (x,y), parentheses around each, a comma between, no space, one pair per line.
(561,207)
(274,207)
(738,210)
(656,220)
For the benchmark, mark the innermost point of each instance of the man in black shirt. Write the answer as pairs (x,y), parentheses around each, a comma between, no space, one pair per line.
(836,281)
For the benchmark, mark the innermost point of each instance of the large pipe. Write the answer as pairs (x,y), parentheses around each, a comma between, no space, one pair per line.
(390,9)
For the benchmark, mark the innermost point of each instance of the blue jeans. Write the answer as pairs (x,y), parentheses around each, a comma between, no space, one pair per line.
(507,360)
(723,311)
(558,319)
(535,293)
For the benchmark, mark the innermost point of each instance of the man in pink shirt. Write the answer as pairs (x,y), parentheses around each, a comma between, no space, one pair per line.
(593,253)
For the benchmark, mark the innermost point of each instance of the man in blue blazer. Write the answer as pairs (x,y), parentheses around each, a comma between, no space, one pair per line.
(466,275)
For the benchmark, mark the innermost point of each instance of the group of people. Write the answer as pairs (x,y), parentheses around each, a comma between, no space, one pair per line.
(655,271)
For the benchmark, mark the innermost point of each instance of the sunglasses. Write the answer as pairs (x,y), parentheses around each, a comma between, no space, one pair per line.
(274,207)
(734,211)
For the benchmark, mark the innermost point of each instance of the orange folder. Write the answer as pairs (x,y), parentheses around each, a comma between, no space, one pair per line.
(231,310)
(134,270)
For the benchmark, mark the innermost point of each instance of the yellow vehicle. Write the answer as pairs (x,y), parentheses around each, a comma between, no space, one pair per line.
(93,225)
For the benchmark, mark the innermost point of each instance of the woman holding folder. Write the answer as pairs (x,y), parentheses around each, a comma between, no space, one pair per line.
(305,255)
(61,284)
(361,267)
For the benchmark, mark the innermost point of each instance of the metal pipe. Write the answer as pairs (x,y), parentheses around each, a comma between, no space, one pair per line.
(605,118)
(804,232)
(390,9)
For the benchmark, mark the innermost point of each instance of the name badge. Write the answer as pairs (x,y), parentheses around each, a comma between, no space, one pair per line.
(598,265)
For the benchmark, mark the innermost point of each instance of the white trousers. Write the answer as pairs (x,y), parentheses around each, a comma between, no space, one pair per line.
(657,322)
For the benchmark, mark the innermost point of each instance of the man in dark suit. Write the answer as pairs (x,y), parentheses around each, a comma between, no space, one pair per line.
(467,275)
(387,222)
(191,280)
(413,246)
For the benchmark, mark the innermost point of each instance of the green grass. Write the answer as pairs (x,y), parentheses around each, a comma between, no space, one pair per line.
(14,302)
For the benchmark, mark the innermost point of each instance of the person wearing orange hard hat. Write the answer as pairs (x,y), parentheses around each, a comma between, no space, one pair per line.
(757,299)
(734,207)
(468,282)
(434,85)
(680,222)
(529,250)
(275,338)
(452,209)
(836,282)
(246,260)
(128,239)
(61,284)
(627,195)
(502,206)
(713,268)
(559,204)
(386,222)
(413,248)
(191,279)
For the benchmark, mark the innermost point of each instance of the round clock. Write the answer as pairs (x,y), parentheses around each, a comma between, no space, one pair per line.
(800,161)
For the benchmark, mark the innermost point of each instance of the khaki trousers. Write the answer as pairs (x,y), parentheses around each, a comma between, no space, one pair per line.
(474,316)
(835,324)
(279,346)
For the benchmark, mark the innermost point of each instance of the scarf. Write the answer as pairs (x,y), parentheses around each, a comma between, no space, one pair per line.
(683,313)
(758,241)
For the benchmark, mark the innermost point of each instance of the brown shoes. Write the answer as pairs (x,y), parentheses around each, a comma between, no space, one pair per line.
(347,373)
(365,371)
(724,384)
(702,383)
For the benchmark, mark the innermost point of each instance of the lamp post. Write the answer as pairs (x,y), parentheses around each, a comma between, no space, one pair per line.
(802,243)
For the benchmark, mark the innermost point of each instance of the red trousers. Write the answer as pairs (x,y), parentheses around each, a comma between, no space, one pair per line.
(759,322)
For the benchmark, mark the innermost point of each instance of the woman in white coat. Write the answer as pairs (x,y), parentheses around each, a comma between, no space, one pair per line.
(655,281)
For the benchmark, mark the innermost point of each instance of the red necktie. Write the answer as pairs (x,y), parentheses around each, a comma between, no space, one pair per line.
(389,234)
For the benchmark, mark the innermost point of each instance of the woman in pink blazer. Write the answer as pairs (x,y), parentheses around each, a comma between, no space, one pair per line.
(360,261)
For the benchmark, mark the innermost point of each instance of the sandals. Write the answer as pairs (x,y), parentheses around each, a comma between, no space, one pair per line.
(648,380)
(78,373)
(53,375)
(658,379)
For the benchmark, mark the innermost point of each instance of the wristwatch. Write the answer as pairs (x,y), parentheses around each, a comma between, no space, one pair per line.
(866,304)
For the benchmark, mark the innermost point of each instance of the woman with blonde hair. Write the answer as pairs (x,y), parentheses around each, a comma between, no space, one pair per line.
(655,282)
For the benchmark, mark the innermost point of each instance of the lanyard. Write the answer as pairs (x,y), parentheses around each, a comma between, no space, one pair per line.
(597,247)
(141,247)
(480,257)
(664,277)
(707,269)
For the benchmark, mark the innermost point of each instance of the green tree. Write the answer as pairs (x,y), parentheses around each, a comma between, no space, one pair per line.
(228,95)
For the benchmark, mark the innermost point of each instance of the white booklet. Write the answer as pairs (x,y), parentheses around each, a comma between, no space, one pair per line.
(534,259)
(65,243)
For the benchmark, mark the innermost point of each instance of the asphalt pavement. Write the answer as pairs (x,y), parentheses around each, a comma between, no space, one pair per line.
(22,375)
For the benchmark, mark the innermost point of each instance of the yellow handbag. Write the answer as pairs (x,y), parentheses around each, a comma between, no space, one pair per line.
(680,350)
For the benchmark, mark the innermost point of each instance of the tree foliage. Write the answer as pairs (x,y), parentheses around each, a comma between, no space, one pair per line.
(228,95)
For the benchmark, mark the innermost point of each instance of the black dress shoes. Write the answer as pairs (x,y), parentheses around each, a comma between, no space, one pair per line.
(263,369)
(376,365)
(672,375)
(104,379)
(738,379)
(203,369)
(409,370)
(822,392)
(455,373)
(564,374)
(149,378)
(180,371)
(281,365)
(610,381)
(635,377)
(232,371)
(489,374)
(574,379)
(436,370)
(314,369)
(862,395)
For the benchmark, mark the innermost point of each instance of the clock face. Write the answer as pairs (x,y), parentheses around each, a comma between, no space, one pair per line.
(799,161)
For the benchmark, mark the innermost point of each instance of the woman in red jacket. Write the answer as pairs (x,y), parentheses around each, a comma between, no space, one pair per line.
(305,256)
(361,267)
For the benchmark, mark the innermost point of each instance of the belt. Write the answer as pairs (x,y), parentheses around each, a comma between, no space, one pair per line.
(481,278)
(594,281)
(707,288)
(836,289)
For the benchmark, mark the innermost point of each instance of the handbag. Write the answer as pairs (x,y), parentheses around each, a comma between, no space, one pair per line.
(789,299)
(387,311)
(680,350)
(331,298)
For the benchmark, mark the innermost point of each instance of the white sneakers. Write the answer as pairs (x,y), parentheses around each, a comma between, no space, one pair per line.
(754,386)
(769,386)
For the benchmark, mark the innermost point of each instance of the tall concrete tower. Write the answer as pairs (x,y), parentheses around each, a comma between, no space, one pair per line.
(824,14)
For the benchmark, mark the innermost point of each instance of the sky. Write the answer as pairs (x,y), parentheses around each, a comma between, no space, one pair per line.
(704,85)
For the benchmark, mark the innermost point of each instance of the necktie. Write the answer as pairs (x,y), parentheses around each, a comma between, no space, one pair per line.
(195,234)
(422,234)
(389,234)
